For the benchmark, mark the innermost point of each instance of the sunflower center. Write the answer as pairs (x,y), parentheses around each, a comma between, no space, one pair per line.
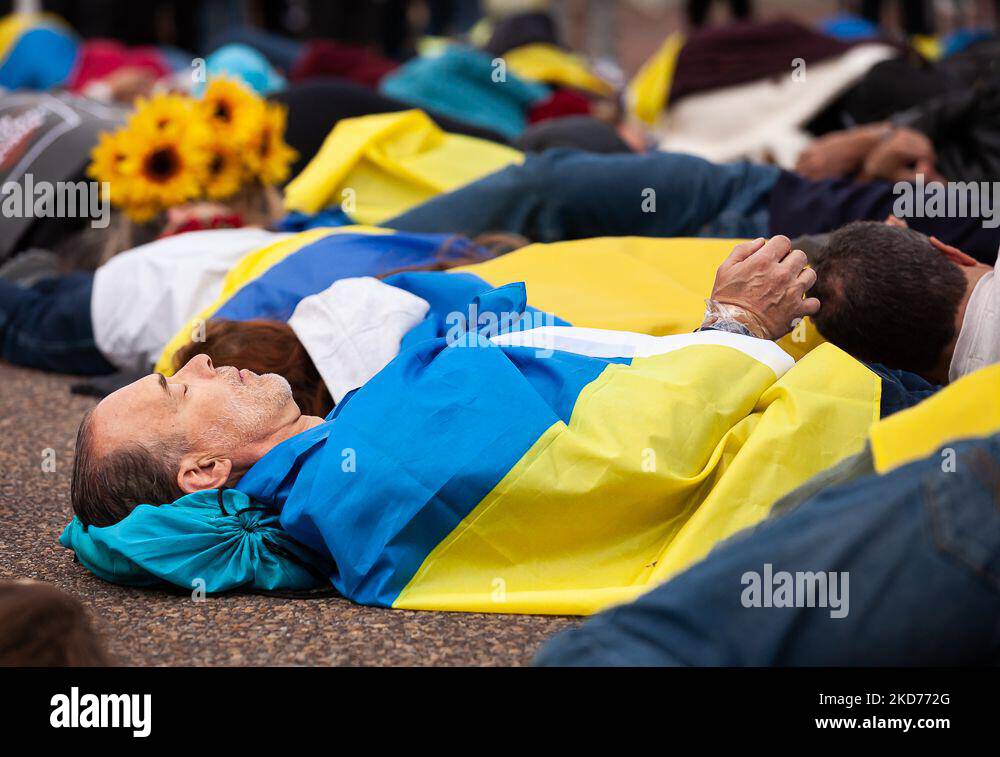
(217,164)
(222,111)
(162,164)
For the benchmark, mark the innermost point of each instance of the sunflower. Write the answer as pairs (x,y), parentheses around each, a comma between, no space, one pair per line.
(107,164)
(268,155)
(164,113)
(164,168)
(232,110)
(226,171)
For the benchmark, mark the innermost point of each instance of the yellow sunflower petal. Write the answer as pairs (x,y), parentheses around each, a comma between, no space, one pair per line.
(268,156)
(233,110)
(164,113)
(166,170)
(225,172)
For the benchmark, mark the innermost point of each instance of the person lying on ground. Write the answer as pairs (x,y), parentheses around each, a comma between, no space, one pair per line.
(81,323)
(948,131)
(713,407)
(944,295)
(894,296)
(760,287)
(119,317)
(562,194)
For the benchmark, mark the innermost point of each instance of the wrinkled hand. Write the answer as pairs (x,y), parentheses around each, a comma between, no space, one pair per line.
(841,153)
(901,156)
(768,279)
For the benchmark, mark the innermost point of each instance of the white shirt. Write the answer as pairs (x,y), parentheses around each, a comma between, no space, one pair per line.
(353,329)
(143,296)
(978,342)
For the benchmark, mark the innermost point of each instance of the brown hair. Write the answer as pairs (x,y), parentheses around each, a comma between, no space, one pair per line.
(263,346)
(106,488)
(41,626)
(888,296)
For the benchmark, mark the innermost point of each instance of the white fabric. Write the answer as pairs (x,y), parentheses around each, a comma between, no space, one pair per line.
(978,342)
(142,296)
(763,120)
(353,329)
(607,344)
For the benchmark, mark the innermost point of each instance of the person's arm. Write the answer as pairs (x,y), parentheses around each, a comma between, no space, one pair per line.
(901,156)
(961,120)
(760,289)
(840,153)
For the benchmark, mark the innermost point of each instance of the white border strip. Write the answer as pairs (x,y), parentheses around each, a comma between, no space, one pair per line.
(609,344)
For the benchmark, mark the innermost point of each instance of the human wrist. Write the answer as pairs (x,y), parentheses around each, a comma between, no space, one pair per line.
(873,134)
(717,314)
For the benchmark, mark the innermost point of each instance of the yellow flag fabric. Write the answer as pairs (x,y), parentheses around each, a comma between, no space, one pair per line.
(649,286)
(549,64)
(929,46)
(603,508)
(376,167)
(970,407)
(649,90)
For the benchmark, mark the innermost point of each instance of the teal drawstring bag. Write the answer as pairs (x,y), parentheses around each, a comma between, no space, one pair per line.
(215,540)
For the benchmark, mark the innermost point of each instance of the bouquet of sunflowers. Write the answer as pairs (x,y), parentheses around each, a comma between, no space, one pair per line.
(175,148)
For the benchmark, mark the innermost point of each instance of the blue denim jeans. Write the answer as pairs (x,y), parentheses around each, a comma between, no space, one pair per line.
(48,326)
(920,546)
(566,194)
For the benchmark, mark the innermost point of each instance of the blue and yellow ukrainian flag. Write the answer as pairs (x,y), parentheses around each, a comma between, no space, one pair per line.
(650,286)
(559,476)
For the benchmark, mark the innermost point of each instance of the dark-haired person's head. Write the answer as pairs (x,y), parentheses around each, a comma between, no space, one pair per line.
(41,626)
(160,437)
(890,296)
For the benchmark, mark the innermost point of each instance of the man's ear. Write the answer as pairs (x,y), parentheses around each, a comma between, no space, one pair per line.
(199,473)
(953,254)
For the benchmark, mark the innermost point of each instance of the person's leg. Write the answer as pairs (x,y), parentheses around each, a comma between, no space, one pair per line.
(913,554)
(48,326)
(576,132)
(566,194)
